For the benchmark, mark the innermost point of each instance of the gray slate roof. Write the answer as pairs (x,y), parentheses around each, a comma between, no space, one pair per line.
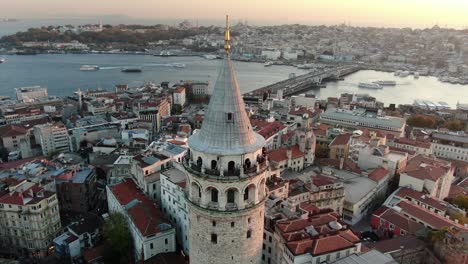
(218,135)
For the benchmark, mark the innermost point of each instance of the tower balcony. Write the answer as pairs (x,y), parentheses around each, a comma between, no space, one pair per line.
(227,174)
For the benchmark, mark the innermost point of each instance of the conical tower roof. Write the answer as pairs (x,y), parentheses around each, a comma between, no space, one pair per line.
(226,128)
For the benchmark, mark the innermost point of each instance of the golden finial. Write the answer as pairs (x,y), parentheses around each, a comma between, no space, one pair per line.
(227,37)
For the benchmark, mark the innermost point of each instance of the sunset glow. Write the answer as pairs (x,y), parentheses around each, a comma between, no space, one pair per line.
(414,13)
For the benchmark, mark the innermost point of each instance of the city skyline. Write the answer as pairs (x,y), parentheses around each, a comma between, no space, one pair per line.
(398,13)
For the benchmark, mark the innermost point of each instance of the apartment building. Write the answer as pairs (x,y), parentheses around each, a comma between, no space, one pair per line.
(29,217)
(52,138)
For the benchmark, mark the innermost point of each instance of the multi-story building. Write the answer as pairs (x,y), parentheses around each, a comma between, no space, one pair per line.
(17,116)
(52,138)
(199,88)
(77,190)
(430,175)
(93,134)
(151,233)
(422,148)
(450,145)
(373,156)
(11,135)
(226,178)
(174,205)
(359,119)
(306,235)
(30,94)
(145,170)
(179,96)
(29,217)
(339,147)
(327,192)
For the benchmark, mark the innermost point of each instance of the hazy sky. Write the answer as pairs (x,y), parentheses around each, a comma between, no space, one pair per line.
(414,13)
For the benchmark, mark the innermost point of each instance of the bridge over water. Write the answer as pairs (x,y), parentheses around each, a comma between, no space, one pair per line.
(306,81)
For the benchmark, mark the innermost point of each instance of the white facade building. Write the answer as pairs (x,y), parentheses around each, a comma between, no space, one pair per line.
(31,94)
(179,96)
(271,54)
(52,138)
(174,205)
(151,234)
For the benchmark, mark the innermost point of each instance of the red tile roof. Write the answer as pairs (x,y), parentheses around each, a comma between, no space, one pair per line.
(301,111)
(279,155)
(266,129)
(423,167)
(145,214)
(406,193)
(401,221)
(321,180)
(179,89)
(432,219)
(93,254)
(12,130)
(342,139)
(407,141)
(378,174)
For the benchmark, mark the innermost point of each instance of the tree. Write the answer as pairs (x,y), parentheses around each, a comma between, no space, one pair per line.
(119,241)
(422,121)
(461,201)
(454,125)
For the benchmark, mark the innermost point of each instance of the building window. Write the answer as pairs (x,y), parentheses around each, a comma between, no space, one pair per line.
(151,246)
(249,233)
(229,116)
(214,238)
(214,223)
(232,224)
(166,241)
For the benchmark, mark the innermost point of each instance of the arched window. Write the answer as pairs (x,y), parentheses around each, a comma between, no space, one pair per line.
(199,162)
(247,163)
(214,195)
(246,194)
(231,166)
(231,196)
(213,164)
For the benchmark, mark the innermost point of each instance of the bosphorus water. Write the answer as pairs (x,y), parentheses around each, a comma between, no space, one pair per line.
(61,74)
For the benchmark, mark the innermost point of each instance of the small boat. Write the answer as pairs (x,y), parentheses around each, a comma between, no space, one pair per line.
(89,68)
(131,70)
(369,86)
(404,74)
(210,57)
(166,53)
(178,65)
(2,60)
(385,83)
(268,64)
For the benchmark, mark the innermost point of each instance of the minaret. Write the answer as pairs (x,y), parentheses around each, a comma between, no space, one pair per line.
(226,171)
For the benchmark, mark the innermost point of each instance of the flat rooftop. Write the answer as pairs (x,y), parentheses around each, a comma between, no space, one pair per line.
(356,185)
(175,176)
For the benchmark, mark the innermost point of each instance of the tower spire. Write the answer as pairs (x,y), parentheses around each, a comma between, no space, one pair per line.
(227,37)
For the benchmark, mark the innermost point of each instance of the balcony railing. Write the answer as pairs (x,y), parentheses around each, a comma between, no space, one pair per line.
(231,207)
(234,172)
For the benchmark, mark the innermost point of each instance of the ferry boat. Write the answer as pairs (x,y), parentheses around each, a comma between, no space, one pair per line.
(268,64)
(385,83)
(132,70)
(2,60)
(89,68)
(369,86)
(404,73)
(166,53)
